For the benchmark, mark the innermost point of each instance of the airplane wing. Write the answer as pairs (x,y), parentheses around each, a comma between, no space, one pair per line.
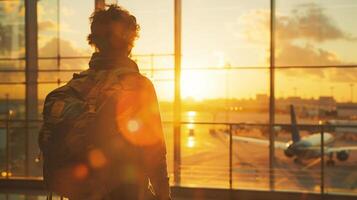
(277,144)
(328,150)
(338,149)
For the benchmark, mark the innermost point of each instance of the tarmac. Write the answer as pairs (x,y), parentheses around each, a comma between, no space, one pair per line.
(205,163)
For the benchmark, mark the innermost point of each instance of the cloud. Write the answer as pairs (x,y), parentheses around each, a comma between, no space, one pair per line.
(309,21)
(66,48)
(255,24)
(296,33)
(49,50)
(47,25)
(67,11)
(13,7)
(292,55)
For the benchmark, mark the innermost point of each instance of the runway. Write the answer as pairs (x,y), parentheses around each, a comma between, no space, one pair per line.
(206,164)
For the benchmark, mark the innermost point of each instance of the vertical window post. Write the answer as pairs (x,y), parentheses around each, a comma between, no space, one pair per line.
(177,100)
(31,85)
(272,97)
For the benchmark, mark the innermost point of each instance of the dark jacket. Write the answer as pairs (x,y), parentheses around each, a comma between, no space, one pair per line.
(133,111)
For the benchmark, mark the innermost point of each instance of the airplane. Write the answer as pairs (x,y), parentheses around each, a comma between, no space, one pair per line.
(304,148)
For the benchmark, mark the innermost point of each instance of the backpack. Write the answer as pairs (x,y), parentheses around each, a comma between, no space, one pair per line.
(73,165)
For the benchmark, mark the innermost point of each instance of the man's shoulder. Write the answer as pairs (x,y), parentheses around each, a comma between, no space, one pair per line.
(135,80)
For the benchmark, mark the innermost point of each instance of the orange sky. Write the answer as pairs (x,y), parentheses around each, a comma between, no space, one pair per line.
(230,33)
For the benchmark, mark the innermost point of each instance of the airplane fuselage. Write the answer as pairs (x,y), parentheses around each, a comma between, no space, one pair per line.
(309,147)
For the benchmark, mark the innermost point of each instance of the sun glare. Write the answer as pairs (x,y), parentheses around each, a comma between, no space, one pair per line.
(192,85)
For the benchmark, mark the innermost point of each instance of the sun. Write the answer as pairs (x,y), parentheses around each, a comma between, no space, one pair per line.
(193,85)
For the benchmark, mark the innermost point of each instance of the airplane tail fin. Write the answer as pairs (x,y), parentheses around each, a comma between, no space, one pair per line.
(295,135)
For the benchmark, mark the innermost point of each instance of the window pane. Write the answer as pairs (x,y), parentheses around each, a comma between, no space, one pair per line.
(12,65)
(12,77)
(12,35)
(225,34)
(318,96)
(315,93)
(12,98)
(204,155)
(297,170)
(316,33)
(78,64)
(156,22)
(63,28)
(339,177)
(74,27)
(47,19)
(250,159)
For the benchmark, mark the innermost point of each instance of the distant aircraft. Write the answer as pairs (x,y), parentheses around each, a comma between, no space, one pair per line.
(302,148)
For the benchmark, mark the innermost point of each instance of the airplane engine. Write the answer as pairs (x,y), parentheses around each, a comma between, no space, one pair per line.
(342,155)
(288,153)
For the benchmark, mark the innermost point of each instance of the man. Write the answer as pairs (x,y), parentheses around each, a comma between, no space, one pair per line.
(102,137)
(137,118)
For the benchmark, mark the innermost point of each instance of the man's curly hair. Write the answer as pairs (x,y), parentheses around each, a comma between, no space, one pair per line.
(101,28)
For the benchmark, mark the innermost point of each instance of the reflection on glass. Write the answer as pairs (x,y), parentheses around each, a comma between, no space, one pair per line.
(12,35)
(204,157)
(191,140)
(250,156)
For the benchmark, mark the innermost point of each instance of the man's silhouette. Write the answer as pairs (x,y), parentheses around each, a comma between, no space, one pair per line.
(136,112)
(108,117)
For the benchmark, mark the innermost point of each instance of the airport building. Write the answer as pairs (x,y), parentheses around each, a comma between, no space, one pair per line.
(347,110)
(256,97)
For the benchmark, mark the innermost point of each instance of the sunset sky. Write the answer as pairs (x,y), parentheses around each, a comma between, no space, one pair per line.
(217,34)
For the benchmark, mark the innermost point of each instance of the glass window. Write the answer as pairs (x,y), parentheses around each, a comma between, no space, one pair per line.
(224,80)
(12,35)
(318,33)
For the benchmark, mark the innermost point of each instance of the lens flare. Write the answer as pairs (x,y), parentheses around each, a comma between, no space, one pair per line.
(80,172)
(133,125)
(97,159)
(3,174)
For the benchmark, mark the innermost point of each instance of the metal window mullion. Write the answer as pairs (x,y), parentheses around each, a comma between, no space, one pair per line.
(177,98)
(272,97)
(31,80)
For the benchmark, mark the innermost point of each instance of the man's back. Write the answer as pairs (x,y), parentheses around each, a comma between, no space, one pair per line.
(130,120)
(127,147)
